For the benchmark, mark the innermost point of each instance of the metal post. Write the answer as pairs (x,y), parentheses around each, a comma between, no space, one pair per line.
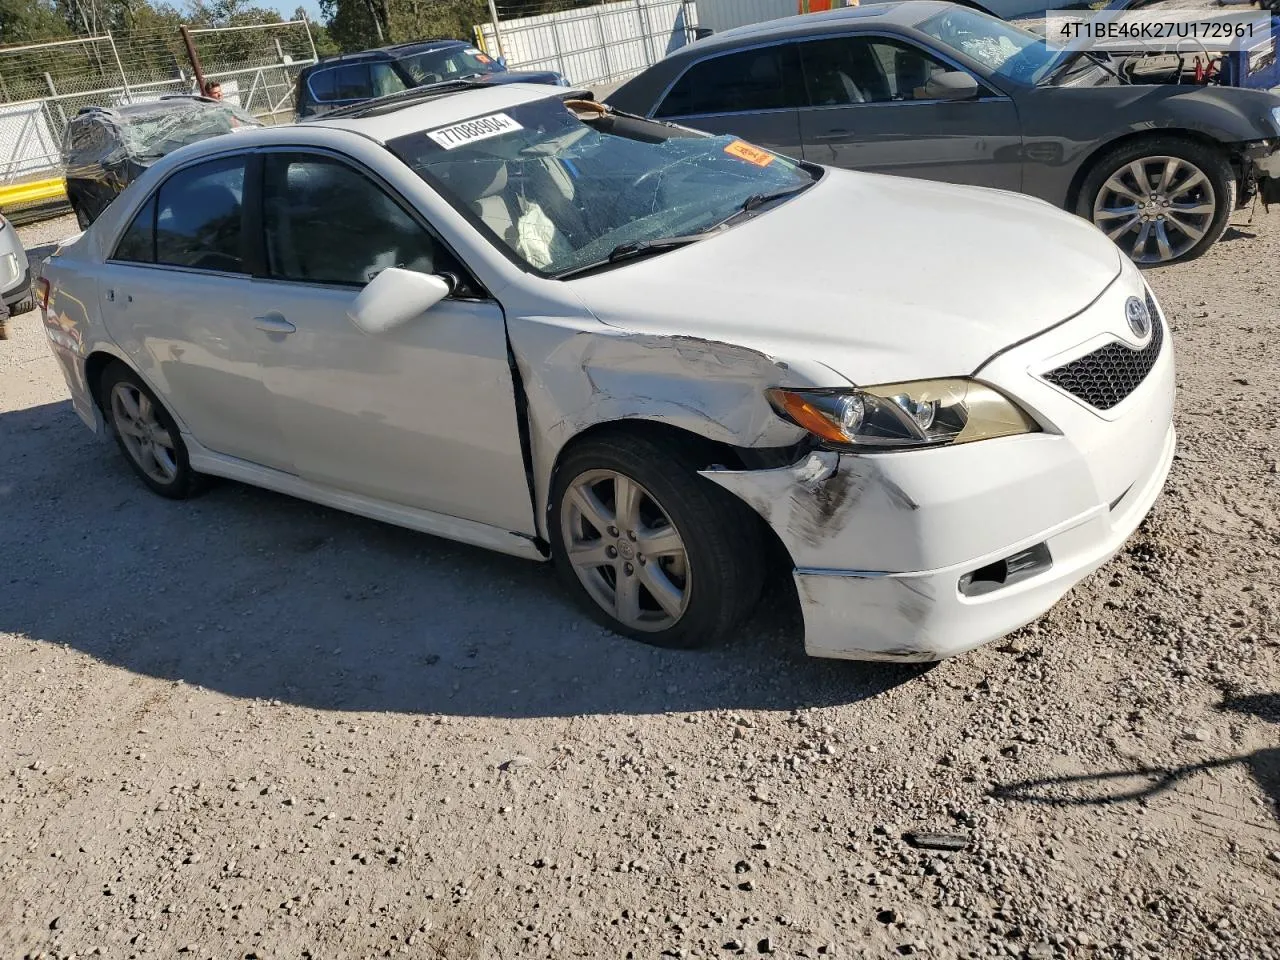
(604,45)
(53,95)
(124,81)
(555,42)
(497,31)
(315,57)
(644,33)
(194,58)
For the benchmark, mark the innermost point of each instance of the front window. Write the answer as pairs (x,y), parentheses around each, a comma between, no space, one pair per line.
(1007,51)
(564,193)
(452,63)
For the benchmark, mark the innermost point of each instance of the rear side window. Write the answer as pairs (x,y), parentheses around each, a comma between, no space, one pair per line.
(352,82)
(767,78)
(321,83)
(198,217)
(138,244)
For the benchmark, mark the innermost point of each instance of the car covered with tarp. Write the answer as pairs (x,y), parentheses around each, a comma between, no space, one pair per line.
(105,149)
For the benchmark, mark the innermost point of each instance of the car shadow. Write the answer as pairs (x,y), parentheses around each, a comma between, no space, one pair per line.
(1143,783)
(263,596)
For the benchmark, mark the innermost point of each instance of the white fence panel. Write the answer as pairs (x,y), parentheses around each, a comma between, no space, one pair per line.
(608,41)
(718,15)
(28,145)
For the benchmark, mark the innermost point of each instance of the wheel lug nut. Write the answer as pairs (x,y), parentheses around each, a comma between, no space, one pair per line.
(629,569)
(643,560)
(613,531)
(611,552)
(631,534)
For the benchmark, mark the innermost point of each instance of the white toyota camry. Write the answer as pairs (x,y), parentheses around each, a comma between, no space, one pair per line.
(660,359)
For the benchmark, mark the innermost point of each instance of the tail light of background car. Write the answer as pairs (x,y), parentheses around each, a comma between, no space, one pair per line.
(42,294)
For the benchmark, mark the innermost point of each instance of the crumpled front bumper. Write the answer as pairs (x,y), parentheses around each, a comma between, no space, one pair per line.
(1263,168)
(886,548)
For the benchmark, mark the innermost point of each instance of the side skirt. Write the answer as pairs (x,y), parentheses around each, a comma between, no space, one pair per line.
(424,521)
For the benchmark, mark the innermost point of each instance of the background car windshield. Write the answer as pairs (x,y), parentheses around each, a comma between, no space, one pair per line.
(450,64)
(1007,51)
(562,193)
(160,133)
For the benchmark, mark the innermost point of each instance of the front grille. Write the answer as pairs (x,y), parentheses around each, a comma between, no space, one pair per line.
(1105,377)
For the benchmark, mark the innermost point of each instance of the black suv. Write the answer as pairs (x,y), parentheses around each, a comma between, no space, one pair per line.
(355,77)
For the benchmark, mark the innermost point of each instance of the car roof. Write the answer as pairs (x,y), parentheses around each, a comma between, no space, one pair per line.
(449,106)
(905,13)
(393,51)
(146,108)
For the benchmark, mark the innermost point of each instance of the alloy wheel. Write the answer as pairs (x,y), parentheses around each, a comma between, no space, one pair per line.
(1155,208)
(625,550)
(145,438)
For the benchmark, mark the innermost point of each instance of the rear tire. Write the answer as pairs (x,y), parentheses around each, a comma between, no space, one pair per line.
(1154,222)
(147,435)
(704,571)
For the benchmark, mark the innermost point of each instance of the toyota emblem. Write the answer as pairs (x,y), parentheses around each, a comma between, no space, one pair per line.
(1139,317)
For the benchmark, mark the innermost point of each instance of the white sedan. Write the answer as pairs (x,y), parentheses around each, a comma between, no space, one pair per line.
(670,363)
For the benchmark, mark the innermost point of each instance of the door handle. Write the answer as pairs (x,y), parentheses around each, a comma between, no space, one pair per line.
(274,323)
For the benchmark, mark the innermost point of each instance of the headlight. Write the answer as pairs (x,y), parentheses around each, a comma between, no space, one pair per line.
(923,413)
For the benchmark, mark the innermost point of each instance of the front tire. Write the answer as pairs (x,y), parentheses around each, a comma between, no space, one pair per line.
(1162,199)
(654,551)
(147,434)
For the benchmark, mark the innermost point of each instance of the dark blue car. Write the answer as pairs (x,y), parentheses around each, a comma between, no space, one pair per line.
(355,77)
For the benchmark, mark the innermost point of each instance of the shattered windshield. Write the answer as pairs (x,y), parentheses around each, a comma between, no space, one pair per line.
(160,133)
(452,63)
(564,193)
(1007,51)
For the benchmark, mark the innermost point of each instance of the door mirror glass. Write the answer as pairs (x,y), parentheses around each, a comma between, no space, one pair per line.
(394,297)
(950,85)
(502,62)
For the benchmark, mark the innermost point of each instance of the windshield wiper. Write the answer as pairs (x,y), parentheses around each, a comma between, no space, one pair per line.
(638,248)
(635,249)
(758,200)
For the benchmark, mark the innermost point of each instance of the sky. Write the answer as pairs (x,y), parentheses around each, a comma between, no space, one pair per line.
(286,7)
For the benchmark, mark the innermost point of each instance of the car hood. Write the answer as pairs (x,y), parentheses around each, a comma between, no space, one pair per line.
(522,76)
(878,277)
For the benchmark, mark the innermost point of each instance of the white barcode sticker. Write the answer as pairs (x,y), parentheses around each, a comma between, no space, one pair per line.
(482,128)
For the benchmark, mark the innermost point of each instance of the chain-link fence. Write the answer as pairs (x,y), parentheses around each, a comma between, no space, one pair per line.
(42,86)
(258,65)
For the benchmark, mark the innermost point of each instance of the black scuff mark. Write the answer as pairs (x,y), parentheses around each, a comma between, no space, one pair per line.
(816,515)
(897,495)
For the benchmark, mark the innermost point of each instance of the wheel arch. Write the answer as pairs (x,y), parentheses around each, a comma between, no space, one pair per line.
(1086,166)
(713,452)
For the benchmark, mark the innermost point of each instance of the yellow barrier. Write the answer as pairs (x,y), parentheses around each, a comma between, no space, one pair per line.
(33,192)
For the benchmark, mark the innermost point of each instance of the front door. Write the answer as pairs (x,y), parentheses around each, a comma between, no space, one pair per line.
(176,300)
(423,415)
(868,110)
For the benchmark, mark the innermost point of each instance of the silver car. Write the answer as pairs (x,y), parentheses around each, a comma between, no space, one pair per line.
(15,275)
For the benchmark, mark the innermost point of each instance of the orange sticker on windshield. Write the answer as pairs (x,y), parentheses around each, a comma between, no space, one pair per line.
(745,151)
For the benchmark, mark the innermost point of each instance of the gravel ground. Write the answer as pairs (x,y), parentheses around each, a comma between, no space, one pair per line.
(245,726)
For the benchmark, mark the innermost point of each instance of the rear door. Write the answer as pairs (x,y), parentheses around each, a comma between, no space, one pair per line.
(174,295)
(754,94)
(867,110)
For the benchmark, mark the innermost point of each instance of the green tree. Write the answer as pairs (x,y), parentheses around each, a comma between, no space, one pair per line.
(30,21)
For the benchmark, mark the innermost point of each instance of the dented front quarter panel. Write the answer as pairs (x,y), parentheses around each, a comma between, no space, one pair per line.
(578,373)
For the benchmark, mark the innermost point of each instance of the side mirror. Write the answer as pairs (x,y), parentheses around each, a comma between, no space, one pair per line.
(502,62)
(950,85)
(394,297)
